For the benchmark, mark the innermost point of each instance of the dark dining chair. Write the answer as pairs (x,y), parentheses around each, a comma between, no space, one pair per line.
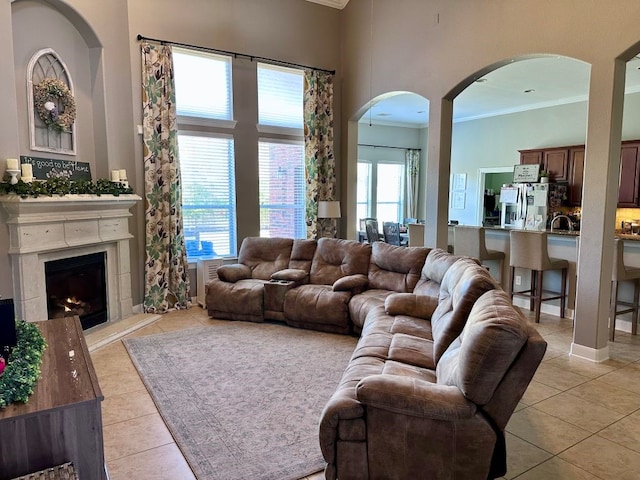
(373,234)
(391,232)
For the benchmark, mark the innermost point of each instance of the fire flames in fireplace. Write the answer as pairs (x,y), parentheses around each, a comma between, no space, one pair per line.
(77,286)
(70,306)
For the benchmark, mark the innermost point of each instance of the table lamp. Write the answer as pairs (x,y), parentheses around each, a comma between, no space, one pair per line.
(329,209)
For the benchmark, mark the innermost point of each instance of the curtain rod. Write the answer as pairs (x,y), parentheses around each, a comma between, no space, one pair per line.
(236,54)
(388,146)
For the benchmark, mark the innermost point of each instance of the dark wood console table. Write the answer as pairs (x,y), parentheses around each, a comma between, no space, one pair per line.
(62,420)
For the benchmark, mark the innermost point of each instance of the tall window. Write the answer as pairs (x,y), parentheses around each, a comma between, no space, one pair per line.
(207,163)
(281,152)
(380,190)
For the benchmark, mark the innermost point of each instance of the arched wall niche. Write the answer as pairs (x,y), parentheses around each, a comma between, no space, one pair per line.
(38,24)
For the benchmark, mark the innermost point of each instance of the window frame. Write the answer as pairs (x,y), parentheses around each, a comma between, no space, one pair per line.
(190,125)
(279,134)
(372,205)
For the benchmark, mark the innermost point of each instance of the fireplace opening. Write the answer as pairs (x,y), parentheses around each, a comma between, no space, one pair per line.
(77,286)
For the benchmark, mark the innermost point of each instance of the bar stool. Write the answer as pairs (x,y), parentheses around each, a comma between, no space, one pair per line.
(469,241)
(529,250)
(622,273)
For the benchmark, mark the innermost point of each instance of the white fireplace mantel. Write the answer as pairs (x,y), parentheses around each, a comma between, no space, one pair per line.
(44,228)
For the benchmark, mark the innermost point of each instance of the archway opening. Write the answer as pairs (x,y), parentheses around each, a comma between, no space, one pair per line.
(391,160)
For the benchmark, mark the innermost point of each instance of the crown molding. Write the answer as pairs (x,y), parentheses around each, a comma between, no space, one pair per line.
(339,4)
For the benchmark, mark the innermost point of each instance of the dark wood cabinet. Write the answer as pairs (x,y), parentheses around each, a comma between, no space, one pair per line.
(576,174)
(556,162)
(533,157)
(553,160)
(568,164)
(629,183)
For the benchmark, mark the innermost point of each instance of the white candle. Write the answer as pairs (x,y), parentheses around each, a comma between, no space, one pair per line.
(115,175)
(27,170)
(123,174)
(12,164)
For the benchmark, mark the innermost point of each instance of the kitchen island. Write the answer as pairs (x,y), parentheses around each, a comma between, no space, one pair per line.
(563,244)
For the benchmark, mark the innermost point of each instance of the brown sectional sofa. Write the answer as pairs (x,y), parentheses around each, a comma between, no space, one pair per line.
(442,360)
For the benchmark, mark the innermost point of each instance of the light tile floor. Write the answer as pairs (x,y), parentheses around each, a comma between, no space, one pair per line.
(577,420)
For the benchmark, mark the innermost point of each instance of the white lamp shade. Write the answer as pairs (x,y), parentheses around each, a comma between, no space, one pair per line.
(329,209)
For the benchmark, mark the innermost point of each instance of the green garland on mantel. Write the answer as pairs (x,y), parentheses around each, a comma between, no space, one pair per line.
(23,369)
(63,186)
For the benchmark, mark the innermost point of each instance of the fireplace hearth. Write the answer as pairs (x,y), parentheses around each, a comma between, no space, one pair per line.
(77,286)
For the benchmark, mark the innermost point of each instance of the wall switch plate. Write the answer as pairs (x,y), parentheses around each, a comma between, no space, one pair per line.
(518,280)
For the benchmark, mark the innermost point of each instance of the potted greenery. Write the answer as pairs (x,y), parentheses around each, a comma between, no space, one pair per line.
(544,176)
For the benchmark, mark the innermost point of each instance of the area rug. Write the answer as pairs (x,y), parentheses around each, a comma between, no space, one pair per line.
(243,400)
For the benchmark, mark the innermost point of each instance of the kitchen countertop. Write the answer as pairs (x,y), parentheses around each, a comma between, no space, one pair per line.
(554,232)
(567,233)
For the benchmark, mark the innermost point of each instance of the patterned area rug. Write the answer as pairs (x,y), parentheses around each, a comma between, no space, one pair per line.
(243,400)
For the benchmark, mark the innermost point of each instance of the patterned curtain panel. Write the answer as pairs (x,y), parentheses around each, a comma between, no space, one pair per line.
(166,267)
(413,182)
(320,164)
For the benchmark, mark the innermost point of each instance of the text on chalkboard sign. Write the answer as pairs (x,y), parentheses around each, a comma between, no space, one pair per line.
(44,168)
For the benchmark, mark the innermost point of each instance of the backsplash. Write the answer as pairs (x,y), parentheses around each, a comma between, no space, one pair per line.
(626,215)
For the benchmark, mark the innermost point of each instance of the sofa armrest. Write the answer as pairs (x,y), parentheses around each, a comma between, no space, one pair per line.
(421,306)
(233,273)
(354,283)
(291,275)
(410,396)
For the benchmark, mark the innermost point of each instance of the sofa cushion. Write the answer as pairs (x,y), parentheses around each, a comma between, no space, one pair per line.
(361,304)
(395,268)
(436,265)
(464,282)
(233,273)
(479,358)
(242,300)
(418,327)
(421,306)
(335,258)
(318,306)
(412,350)
(265,256)
(302,254)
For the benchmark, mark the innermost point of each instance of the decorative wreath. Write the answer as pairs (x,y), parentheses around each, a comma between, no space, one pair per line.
(50,93)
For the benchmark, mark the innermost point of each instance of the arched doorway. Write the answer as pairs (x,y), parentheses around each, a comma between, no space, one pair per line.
(391,146)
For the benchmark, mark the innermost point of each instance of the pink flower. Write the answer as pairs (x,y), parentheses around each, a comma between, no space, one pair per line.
(2,365)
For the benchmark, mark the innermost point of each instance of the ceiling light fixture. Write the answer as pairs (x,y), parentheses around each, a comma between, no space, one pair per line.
(382,114)
(529,90)
(481,80)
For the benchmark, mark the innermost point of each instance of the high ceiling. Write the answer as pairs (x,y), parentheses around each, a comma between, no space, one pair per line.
(519,86)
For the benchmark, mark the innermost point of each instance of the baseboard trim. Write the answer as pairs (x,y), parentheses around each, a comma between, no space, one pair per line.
(597,355)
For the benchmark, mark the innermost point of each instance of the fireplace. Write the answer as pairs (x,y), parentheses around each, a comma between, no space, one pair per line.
(44,230)
(77,286)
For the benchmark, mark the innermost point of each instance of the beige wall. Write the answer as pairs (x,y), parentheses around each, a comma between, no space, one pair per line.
(108,62)
(436,48)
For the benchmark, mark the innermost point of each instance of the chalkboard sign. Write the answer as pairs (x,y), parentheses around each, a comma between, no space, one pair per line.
(526,173)
(44,168)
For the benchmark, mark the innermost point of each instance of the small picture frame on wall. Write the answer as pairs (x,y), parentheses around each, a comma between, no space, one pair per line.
(459,181)
(457,200)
